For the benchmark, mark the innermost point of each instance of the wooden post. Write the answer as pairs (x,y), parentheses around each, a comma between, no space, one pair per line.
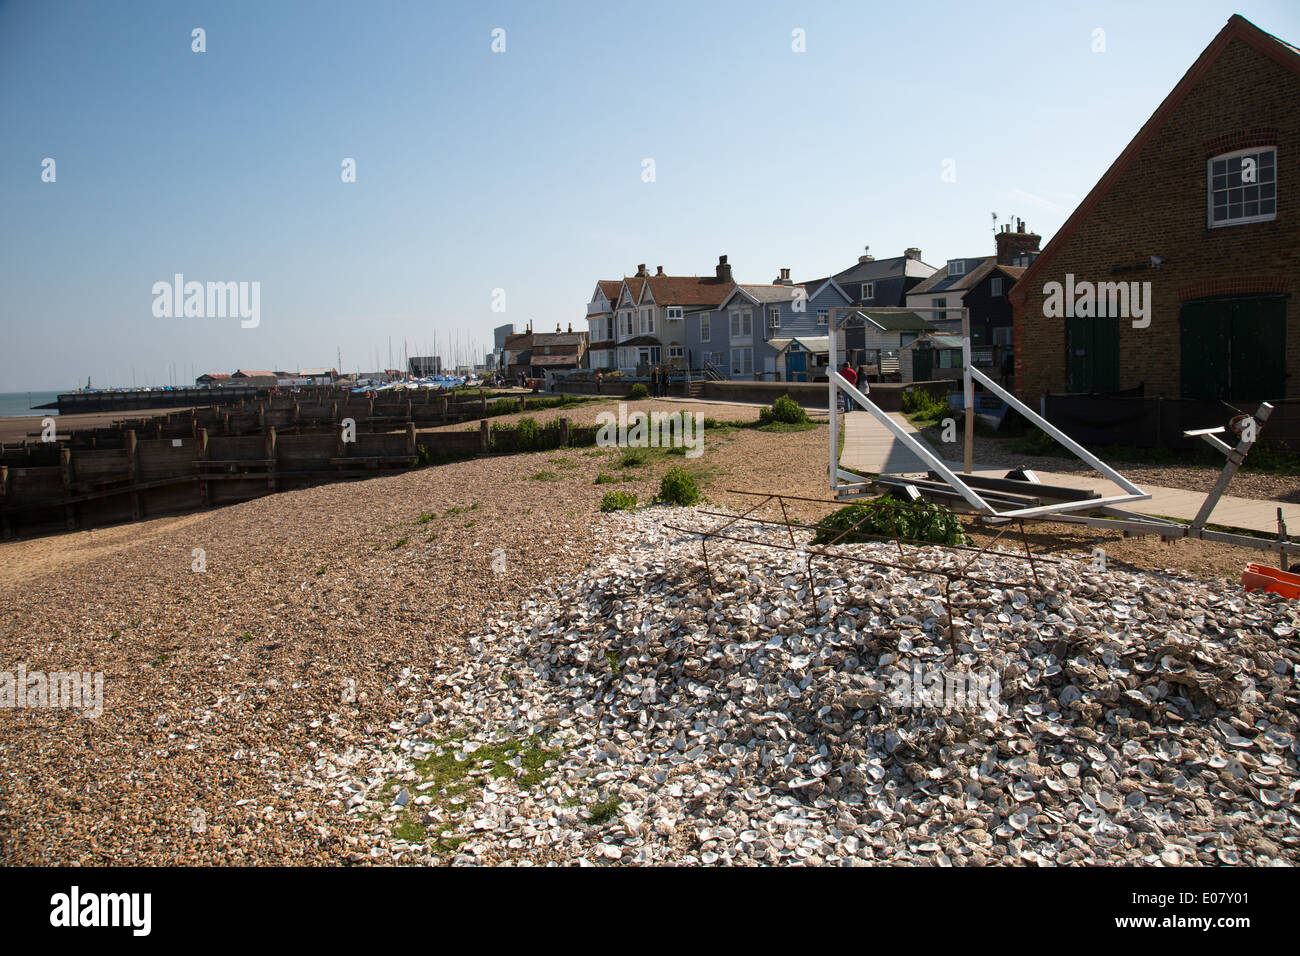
(205,495)
(410,434)
(483,401)
(65,462)
(484,436)
(273,470)
(564,433)
(444,408)
(133,466)
(4,500)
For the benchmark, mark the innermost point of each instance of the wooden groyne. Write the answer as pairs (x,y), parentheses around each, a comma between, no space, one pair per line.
(213,456)
(126,400)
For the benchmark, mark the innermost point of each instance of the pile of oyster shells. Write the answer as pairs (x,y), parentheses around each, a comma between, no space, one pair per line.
(711,716)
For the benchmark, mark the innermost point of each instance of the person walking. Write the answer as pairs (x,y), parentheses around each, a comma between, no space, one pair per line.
(850,376)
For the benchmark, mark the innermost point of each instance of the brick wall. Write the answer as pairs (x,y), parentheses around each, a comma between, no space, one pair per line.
(1158,207)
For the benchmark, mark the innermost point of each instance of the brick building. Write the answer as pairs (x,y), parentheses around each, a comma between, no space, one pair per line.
(1202,205)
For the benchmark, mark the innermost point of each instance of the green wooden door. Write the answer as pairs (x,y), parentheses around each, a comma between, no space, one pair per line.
(1234,348)
(1204,341)
(1092,354)
(922,364)
(1258,360)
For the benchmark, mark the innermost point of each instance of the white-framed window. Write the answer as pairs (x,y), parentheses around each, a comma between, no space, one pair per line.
(673,312)
(647,321)
(675,351)
(938,304)
(949,358)
(822,315)
(774,317)
(995,286)
(1002,335)
(742,323)
(868,290)
(626,322)
(1242,186)
(956,267)
(706,331)
(742,361)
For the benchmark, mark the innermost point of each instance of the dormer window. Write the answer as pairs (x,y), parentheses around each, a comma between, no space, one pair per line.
(956,267)
(868,290)
(1242,187)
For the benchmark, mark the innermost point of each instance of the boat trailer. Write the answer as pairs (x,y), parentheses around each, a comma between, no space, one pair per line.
(1019,495)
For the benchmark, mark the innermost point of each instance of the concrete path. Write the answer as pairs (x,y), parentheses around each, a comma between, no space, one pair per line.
(869,447)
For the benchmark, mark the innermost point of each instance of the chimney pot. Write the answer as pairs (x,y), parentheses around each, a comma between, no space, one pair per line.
(660,270)
(723,270)
(912,253)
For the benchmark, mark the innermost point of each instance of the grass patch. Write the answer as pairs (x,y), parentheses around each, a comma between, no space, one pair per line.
(785,410)
(452,777)
(633,458)
(400,542)
(618,501)
(606,479)
(604,811)
(678,487)
(788,426)
(923,410)
(543,476)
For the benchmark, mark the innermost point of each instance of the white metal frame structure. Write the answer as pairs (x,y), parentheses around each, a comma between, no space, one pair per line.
(841,480)
(843,483)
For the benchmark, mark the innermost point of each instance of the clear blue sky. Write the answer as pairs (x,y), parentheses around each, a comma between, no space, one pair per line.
(522,170)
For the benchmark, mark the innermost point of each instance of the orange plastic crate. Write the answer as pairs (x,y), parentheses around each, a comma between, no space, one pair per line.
(1270,579)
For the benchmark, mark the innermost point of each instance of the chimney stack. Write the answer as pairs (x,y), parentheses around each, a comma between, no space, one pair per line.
(723,270)
(912,253)
(660,270)
(570,326)
(1011,244)
(640,270)
(783,278)
(866,256)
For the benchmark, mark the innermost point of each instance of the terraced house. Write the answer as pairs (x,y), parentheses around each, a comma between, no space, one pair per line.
(775,332)
(643,320)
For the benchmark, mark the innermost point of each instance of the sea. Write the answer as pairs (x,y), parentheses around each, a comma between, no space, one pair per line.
(17,404)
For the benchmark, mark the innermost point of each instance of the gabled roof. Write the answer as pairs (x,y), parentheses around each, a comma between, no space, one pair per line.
(875,269)
(936,341)
(763,294)
(942,282)
(1237,28)
(252,373)
(896,321)
(609,287)
(689,290)
(817,286)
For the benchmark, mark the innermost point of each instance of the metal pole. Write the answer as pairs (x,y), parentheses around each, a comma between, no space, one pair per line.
(832,398)
(969,458)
